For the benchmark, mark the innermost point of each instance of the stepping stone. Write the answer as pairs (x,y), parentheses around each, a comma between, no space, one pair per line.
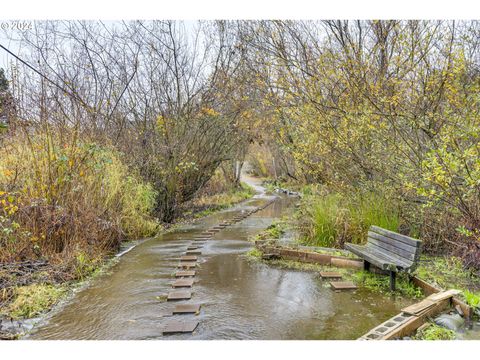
(194,252)
(185,273)
(179,295)
(176,327)
(193,247)
(188,258)
(212,231)
(182,283)
(330,275)
(187,309)
(343,285)
(187,265)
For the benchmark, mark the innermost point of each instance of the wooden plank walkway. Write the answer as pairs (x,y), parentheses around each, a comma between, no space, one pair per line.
(185,278)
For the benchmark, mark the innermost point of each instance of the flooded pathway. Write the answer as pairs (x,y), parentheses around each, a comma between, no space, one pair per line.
(240,299)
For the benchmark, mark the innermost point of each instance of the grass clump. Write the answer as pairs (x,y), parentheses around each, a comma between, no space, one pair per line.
(435,332)
(32,300)
(331,219)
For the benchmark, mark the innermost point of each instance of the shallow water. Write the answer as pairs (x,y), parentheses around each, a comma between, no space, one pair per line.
(240,299)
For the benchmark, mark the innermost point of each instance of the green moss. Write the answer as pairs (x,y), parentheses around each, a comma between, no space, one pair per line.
(435,332)
(32,300)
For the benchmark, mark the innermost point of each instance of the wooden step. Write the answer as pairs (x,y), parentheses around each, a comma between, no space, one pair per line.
(175,327)
(179,295)
(330,275)
(186,309)
(187,265)
(194,252)
(185,273)
(343,285)
(179,283)
(188,258)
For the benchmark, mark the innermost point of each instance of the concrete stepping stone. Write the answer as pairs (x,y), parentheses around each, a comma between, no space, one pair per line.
(330,275)
(193,247)
(188,258)
(179,295)
(176,327)
(185,273)
(194,252)
(179,283)
(187,309)
(187,265)
(343,285)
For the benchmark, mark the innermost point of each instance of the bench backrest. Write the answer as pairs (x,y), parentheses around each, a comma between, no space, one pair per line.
(395,245)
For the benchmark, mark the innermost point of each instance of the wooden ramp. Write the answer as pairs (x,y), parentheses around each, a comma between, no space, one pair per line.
(411,317)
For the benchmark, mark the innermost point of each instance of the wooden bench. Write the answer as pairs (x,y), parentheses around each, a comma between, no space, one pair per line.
(389,251)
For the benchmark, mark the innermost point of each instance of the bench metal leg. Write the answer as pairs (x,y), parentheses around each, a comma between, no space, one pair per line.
(366,265)
(393,276)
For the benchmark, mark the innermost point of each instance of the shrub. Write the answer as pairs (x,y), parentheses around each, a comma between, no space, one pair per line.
(59,197)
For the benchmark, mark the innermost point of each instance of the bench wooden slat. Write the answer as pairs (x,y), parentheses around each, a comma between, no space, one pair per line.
(373,257)
(399,237)
(394,258)
(408,256)
(393,242)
